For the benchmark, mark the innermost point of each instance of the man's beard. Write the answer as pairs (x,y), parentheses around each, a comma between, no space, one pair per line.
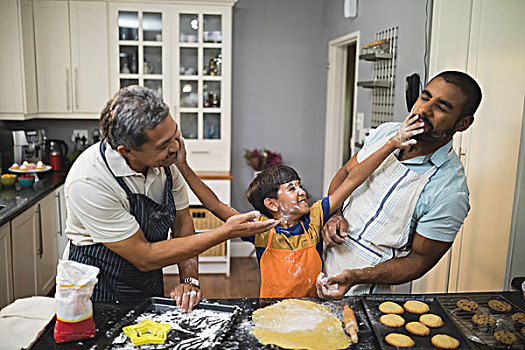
(433,136)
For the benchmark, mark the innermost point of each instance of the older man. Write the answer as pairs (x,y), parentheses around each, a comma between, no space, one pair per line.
(404,218)
(124,194)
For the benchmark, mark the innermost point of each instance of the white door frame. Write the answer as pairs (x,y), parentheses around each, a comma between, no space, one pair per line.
(335,105)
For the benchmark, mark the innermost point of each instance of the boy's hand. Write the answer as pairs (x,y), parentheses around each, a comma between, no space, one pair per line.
(241,225)
(409,128)
(334,231)
(180,160)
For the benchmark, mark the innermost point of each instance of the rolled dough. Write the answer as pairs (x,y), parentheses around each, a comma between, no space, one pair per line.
(299,324)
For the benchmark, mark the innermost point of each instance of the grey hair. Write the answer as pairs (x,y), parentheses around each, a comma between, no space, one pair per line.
(131,112)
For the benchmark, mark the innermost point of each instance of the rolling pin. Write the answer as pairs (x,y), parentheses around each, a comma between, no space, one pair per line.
(350,322)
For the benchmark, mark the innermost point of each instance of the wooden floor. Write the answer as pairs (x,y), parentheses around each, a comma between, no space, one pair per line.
(243,282)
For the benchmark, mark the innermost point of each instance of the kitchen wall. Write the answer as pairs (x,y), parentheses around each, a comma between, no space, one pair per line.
(279,76)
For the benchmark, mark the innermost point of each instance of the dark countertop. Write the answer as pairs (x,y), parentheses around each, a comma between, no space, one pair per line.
(108,316)
(18,200)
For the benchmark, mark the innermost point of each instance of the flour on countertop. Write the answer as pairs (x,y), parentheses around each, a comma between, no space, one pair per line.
(199,329)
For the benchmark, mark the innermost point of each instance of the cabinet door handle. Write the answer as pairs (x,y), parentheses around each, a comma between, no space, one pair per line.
(40,238)
(76,88)
(200,152)
(59,214)
(67,90)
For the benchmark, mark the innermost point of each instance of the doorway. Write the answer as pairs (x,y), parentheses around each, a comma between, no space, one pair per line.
(340,104)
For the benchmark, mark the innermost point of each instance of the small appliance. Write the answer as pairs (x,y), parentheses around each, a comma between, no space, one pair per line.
(28,145)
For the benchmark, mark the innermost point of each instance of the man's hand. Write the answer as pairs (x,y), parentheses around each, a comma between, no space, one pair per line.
(334,287)
(409,128)
(334,231)
(180,160)
(240,225)
(186,296)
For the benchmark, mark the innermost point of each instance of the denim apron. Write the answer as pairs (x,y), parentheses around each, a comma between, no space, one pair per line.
(118,278)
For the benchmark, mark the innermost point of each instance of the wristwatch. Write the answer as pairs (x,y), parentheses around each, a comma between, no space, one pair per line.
(192,281)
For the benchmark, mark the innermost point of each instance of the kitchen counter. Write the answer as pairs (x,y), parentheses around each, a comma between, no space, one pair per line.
(16,201)
(108,315)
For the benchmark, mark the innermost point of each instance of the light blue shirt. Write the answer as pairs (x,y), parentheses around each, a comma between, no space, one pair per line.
(444,203)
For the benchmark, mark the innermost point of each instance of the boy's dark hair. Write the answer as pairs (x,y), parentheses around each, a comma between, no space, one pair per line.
(468,86)
(266,184)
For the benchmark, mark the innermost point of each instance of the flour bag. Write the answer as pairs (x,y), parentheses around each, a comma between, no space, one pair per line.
(75,283)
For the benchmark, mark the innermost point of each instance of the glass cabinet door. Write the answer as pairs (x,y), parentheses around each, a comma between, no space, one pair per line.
(141,49)
(200,73)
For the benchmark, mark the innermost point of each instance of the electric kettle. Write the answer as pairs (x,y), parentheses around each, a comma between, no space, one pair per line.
(55,153)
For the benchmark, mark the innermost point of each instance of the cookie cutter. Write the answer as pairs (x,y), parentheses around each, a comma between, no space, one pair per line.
(147,332)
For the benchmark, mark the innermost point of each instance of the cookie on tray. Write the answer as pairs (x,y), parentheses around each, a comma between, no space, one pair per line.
(389,307)
(418,328)
(416,307)
(397,339)
(519,317)
(505,337)
(431,320)
(467,305)
(484,320)
(444,341)
(392,320)
(499,305)
(523,331)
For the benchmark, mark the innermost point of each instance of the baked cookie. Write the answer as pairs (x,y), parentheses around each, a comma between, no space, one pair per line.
(416,307)
(523,331)
(418,328)
(499,305)
(389,307)
(505,337)
(519,317)
(444,341)
(484,320)
(467,305)
(431,320)
(392,320)
(397,339)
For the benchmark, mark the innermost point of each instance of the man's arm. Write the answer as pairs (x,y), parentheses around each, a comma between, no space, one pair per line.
(147,256)
(203,192)
(424,255)
(186,295)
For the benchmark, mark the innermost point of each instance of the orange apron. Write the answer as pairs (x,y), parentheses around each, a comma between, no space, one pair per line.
(289,273)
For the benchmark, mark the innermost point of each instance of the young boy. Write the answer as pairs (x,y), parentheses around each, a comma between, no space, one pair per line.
(290,253)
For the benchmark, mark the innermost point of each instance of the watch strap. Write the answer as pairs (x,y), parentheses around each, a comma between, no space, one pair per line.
(192,281)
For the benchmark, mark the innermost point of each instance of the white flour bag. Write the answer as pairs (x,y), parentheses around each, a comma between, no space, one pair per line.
(75,283)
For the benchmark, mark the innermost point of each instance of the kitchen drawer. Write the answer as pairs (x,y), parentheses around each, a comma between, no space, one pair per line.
(208,156)
(222,188)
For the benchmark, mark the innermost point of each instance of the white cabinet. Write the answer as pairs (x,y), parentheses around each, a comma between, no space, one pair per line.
(71,57)
(490,47)
(34,249)
(18,96)
(61,220)
(47,265)
(6,270)
(25,229)
(184,53)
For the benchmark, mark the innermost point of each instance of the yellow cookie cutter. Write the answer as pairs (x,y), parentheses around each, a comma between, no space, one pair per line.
(147,332)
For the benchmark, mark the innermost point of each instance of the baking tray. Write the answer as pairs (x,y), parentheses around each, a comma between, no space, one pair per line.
(371,305)
(483,336)
(203,328)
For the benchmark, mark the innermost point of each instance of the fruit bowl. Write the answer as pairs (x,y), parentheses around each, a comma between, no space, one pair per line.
(7,180)
(26,181)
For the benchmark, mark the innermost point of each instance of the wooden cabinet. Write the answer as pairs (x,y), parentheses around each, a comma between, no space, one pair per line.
(34,249)
(6,269)
(71,57)
(18,96)
(61,220)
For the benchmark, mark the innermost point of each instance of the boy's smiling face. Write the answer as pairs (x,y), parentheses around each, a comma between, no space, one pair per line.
(292,201)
